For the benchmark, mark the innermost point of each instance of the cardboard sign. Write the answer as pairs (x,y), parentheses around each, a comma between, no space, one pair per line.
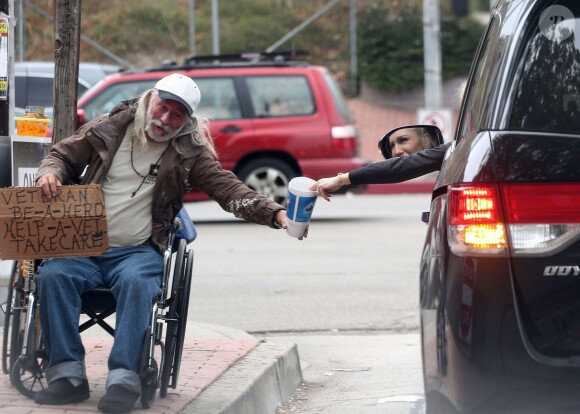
(74,223)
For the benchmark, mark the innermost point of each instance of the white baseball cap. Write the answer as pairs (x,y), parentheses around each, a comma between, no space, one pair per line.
(180,88)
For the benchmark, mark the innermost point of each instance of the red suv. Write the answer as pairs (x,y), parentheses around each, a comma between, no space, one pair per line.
(271,120)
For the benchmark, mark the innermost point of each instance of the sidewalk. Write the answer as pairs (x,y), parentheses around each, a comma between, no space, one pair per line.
(223,370)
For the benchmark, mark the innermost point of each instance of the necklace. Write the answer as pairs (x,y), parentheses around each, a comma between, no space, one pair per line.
(144,177)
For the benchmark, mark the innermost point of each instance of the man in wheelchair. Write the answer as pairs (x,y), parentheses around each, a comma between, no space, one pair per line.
(146,154)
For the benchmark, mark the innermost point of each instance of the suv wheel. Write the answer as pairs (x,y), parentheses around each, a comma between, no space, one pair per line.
(269,177)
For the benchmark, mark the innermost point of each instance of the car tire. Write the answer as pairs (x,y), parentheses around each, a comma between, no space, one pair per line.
(269,177)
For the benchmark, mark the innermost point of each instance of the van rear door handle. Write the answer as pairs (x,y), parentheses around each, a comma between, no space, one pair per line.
(231,128)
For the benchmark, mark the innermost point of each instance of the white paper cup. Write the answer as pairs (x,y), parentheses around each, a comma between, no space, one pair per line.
(300,205)
(295,229)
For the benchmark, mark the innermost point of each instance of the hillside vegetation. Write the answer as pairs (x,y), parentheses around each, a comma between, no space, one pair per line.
(148,32)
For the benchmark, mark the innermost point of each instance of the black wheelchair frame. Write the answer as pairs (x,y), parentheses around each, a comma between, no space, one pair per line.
(23,354)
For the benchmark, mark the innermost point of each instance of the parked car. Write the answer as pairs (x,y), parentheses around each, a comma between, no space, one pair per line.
(34,82)
(272,120)
(500,268)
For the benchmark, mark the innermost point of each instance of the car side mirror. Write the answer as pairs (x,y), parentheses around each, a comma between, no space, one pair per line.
(427,136)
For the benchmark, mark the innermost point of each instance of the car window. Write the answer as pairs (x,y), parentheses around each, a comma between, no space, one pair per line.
(276,96)
(108,98)
(338,97)
(547,97)
(474,104)
(35,91)
(20,95)
(218,98)
(81,89)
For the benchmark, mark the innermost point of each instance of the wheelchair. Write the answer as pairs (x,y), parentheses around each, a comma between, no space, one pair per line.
(24,357)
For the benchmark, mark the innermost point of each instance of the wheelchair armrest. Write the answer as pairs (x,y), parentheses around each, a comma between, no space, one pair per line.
(187,230)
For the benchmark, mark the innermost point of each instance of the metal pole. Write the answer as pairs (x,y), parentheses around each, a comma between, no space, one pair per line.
(353,50)
(192,27)
(432,53)
(215,22)
(21,20)
(107,52)
(302,26)
(6,51)
(7,101)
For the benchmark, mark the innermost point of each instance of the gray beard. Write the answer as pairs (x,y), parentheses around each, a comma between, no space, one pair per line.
(154,136)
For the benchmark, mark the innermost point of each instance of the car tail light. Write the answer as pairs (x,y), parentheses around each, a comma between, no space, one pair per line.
(475,224)
(344,137)
(542,218)
(537,218)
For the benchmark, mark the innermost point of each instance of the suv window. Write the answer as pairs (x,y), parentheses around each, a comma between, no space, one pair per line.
(475,106)
(219,97)
(549,106)
(117,92)
(338,97)
(274,96)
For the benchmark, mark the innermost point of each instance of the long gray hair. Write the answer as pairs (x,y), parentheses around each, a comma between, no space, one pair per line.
(198,128)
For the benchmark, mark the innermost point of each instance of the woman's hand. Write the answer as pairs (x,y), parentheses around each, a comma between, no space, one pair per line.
(325,186)
(49,183)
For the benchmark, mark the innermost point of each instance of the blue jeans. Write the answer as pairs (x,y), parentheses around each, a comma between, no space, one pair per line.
(134,276)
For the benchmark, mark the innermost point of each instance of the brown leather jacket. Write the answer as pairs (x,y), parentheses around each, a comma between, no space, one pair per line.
(185,165)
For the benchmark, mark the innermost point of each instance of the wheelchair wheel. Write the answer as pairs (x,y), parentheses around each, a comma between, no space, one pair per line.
(27,373)
(171,321)
(7,357)
(17,321)
(149,375)
(183,303)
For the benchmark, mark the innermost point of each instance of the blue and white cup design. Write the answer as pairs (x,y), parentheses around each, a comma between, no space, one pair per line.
(300,205)
(300,208)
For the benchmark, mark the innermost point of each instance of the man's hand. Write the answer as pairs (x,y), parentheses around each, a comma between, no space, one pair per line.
(282,221)
(49,183)
(281,218)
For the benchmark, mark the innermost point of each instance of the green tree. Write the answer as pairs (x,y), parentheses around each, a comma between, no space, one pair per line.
(391,46)
(147,33)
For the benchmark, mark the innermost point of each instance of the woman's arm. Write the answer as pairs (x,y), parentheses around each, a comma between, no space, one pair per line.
(393,170)
(396,170)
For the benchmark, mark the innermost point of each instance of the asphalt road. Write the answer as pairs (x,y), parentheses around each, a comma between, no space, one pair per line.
(347,296)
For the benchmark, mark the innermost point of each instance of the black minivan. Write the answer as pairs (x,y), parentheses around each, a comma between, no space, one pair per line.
(500,268)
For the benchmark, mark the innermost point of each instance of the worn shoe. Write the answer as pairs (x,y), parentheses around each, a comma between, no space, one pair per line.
(61,392)
(118,399)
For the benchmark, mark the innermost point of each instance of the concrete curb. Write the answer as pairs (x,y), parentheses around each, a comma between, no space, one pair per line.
(257,384)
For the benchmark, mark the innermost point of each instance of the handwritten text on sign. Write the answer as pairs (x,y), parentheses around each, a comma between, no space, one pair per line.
(72,224)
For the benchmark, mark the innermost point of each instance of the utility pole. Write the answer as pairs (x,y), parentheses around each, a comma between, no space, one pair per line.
(215,27)
(192,27)
(67,31)
(353,50)
(21,20)
(434,113)
(432,53)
